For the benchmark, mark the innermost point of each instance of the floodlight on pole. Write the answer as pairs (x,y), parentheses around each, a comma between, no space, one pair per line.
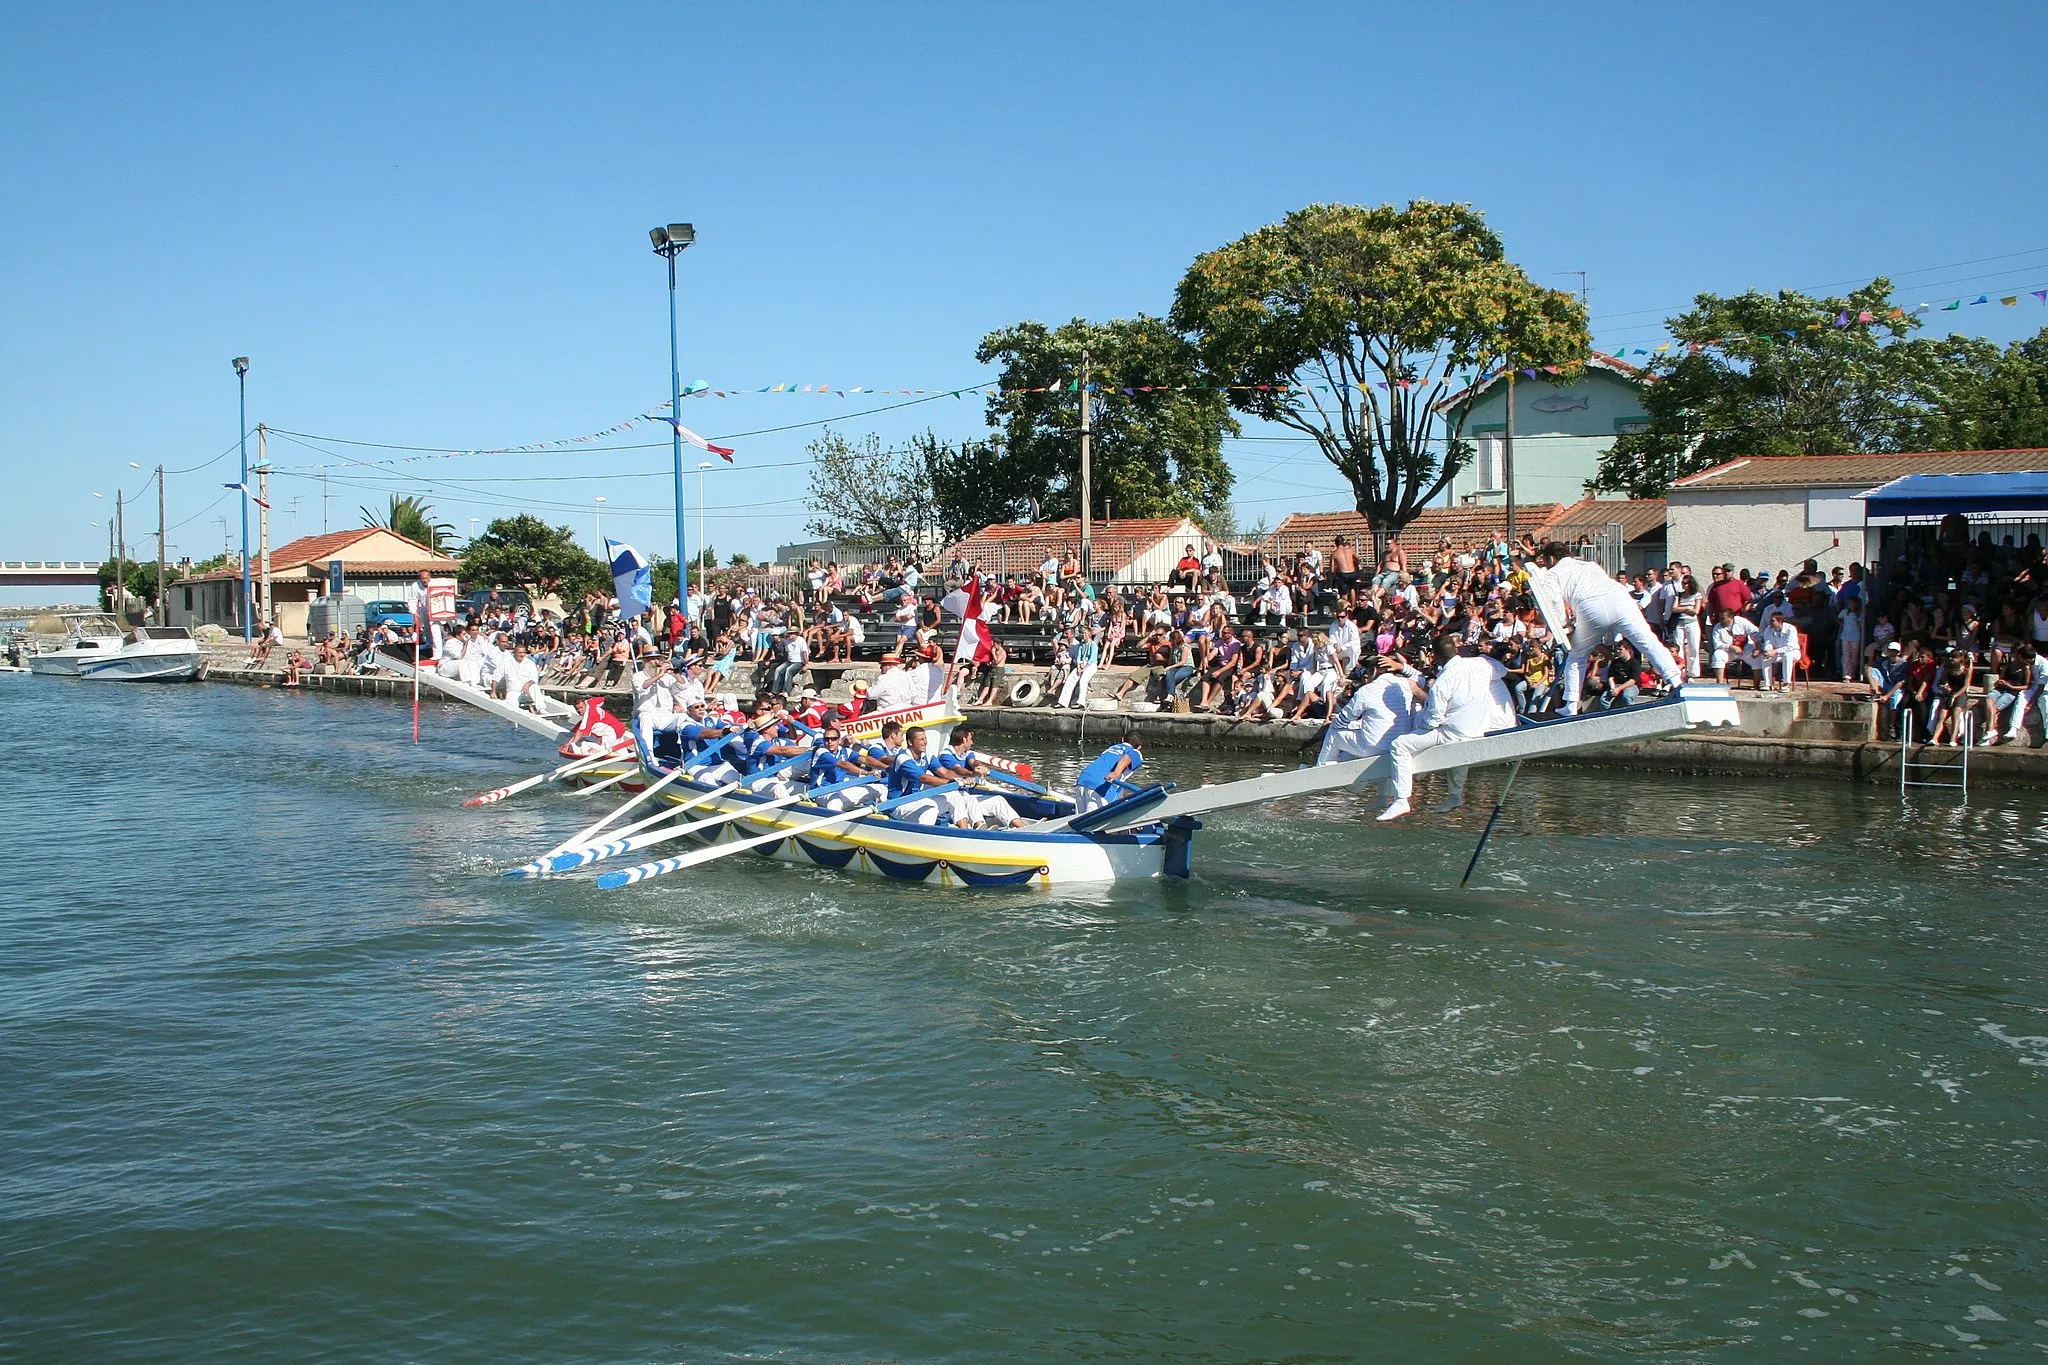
(248,588)
(670,242)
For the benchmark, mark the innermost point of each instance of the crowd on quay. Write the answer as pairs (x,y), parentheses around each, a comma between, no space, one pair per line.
(1955,631)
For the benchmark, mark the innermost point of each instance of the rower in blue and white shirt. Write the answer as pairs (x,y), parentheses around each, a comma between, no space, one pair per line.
(960,763)
(910,772)
(832,762)
(1108,778)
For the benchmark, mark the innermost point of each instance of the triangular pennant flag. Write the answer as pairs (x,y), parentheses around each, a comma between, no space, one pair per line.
(2041,294)
(1951,307)
(1865,316)
(2010,299)
(1981,298)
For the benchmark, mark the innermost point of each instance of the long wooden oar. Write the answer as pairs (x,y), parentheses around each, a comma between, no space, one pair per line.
(571,859)
(1022,784)
(612,881)
(567,769)
(539,866)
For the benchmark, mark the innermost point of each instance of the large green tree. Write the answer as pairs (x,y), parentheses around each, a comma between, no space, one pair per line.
(1349,324)
(412,517)
(1158,428)
(1760,374)
(527,552)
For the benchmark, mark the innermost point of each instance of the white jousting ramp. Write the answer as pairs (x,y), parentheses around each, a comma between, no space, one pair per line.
(1694,705)
(484,701)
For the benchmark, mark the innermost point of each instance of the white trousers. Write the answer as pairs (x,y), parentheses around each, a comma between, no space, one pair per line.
(1348,741)
(993,810)
(1421,742)
(1086,800)
(1771,668)
(923,811)
(853,797)
(1689,645)
(1600,622)
(1076,687)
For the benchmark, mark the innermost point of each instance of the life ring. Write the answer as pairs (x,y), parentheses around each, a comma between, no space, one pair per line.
(1024,692)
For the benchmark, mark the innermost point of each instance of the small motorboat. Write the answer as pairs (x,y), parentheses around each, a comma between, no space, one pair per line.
(94,649)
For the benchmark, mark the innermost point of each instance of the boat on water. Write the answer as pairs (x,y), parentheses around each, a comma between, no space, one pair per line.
(1147,834)
(93,646)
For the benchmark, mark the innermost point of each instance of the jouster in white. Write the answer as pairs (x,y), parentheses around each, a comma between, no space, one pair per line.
(1602,609)
(1379,711)
(1468,698)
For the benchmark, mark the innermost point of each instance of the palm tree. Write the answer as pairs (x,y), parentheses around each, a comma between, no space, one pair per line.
(413,518)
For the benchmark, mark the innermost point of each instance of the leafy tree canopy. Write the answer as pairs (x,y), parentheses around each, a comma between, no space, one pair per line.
(413,518)
(1378,306)
(1789,374)
(526,552)
(1154,454)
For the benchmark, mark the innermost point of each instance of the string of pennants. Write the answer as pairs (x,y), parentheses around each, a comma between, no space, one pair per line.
(701,389)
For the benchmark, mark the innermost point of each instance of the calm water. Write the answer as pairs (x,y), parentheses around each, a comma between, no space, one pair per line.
(1708,1070)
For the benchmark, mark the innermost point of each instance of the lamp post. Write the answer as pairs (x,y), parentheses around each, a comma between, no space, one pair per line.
(242,386)
(670,242)
(600,529)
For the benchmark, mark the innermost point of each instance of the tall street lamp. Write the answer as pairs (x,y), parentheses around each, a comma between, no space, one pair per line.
(600,530)
(248,603)
(670,242)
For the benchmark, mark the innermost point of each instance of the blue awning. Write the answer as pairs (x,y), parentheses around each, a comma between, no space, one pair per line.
(1937,495)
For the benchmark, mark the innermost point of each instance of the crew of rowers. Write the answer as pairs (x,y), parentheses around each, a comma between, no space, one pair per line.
(784,753)
(1396,712)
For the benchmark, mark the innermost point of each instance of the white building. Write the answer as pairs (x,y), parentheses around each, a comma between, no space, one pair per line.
(1561,431)
(376,564)
(1775,512)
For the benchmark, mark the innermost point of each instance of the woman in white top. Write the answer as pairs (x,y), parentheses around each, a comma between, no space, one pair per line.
(1685,609)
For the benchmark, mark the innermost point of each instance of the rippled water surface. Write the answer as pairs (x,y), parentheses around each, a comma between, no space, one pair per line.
(1717,1070)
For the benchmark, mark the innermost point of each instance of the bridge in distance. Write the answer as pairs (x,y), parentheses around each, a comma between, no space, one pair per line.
(55,573)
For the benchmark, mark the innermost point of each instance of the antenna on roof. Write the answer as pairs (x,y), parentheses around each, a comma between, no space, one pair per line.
(1584,293)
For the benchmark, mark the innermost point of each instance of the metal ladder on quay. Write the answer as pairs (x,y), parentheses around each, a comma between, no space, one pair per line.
(1952,775)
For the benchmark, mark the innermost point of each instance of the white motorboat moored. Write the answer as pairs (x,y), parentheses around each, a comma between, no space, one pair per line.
(145,654)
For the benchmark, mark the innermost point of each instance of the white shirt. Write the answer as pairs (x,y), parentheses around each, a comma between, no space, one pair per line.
(521,674)
(1581,581)
(451,657)
(419,601)
(1379,710)
(652,698)
(895,688)
(1470,698)
(1344,639)
(1780,638)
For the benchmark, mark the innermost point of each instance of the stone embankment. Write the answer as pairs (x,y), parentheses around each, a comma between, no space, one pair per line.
(1819,731)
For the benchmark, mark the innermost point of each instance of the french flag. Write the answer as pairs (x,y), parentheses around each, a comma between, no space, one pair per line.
(724,452)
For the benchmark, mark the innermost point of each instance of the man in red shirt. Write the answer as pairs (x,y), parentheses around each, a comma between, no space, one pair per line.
(1728,593)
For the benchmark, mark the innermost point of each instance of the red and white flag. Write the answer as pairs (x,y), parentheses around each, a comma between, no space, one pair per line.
(725,452)
(243,489)
(974,635)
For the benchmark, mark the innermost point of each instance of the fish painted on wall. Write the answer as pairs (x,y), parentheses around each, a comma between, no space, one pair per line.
(1560,402)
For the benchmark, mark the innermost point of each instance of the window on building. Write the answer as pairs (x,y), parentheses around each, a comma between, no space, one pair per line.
(1489,462)
(1629,426)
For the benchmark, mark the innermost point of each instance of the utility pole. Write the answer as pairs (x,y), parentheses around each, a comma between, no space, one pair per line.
(120,556)
(323,504)
(263,511)
(1087,476)
(163,594)
(1507,459)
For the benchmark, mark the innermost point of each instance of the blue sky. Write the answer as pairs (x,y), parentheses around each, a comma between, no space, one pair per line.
(427,224)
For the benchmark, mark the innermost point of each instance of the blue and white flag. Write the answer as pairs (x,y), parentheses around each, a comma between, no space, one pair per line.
(632,579)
